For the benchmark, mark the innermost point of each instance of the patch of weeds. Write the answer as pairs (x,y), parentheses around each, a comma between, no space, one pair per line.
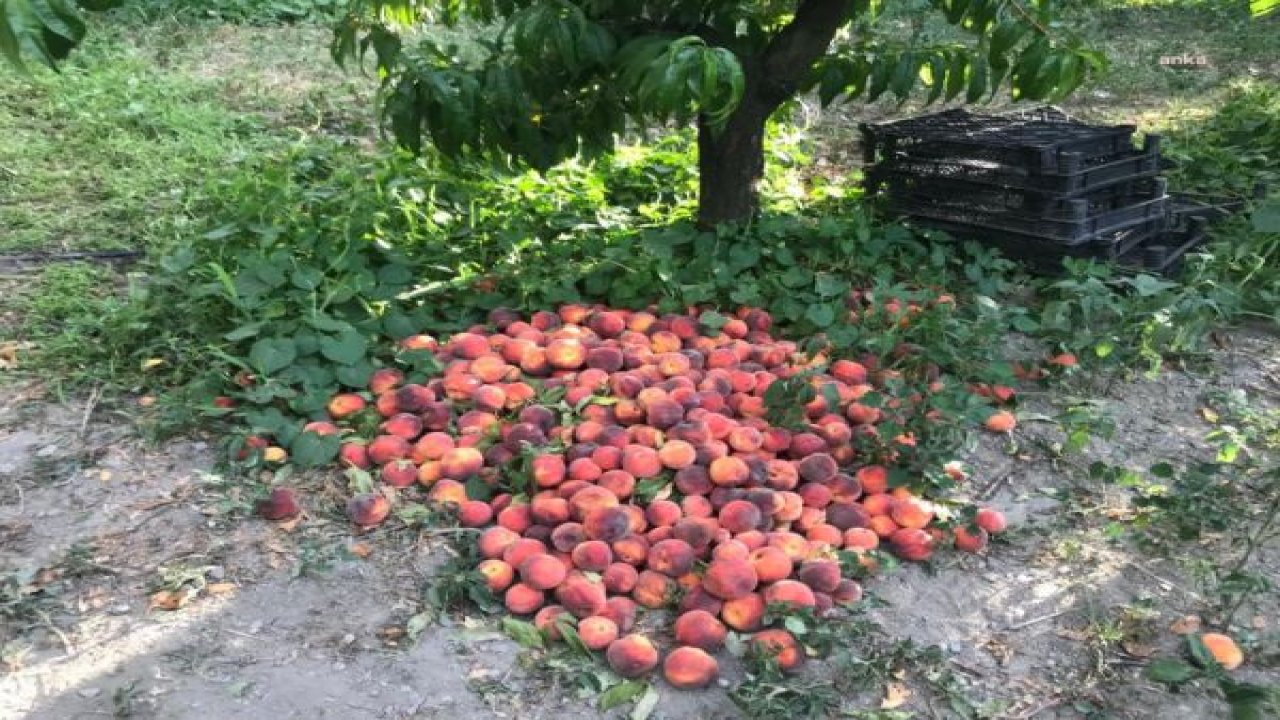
(316,557)
(258,12)
(81,561)
(456,585)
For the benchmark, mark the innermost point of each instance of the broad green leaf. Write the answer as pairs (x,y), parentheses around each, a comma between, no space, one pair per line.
(310,449)
(524,633)
(1170,671)
(623,692)
(347,348)
(270,355)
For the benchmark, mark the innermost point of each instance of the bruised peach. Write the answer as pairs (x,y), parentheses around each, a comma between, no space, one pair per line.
(523,600)
(368,509)
(696,531)
(848,592)
(730,579)
(281,504)
(581,595)
(779,645)
(744,614)
(632,656)
(693,481)
(592,556)
(497,574)
(700,629)
(619,578)
(566,536)
(771,564)
(740,516)
(607,523)
(970,541)
(846,515)
(696,598)
(790,593)
(399,473)
(671,557)
(653,589)
(436,415)
(911,544)
(414,398)
(597,632)
(821,575)
(632,549)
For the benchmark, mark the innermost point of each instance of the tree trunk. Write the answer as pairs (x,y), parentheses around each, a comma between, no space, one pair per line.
(730,167)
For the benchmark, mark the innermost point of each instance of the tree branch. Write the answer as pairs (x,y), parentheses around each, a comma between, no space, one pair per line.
(792,53)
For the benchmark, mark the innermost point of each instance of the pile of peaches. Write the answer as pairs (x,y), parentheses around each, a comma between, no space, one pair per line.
(613,461)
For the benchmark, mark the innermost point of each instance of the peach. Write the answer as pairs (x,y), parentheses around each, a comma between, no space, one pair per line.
(436,415)
(566,354)
(653,589)
(549,510)
(641,462)
(622,611)
(730,579)
(489,398)
(970,541)
(1001,421)
(620,578)
(415,398)
(821,575)
(848,592)
(592,556)
(345,405)
(731,550)
(494,541)
(661,413)
(795,546)
(632,549)
(696,598)
(1223,649)
(597,632)
(781,475)
(671,557)
(566,536)
(677,454)
(281,504)
(354,455)
(384,379)
(461,463)
(431,446)
(861,538)
(771,564)
(523,549)
(817,468)
(497,574)
(740,516)
(700,629)
(911,544)
(581,595)
(744,614)
(490,368)
(805,444)
(632,656)
(689,668)
(883,525)
(386,448)
(368,509)
(608,359)
(847,515)
(779,645)
(468,346)
(991,520)
(590,498)
(790,593)
(523,600)
(663,513)
(698,532)
(607,457)
(607,523)
(693,480)
(729,471)
(516,518)
(878,504)
(745,439)
(549,619)
(474,513)
(910,513)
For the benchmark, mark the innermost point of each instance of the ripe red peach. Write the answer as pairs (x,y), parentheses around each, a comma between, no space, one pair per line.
(368,509)
(991,520)
(597,632)
(345,405)
(821,575)
(632,656)
(701,629)
(622,611)
(972,541)
(671,557)
(790,593)
(731,550)
(542,572)
(581,595)
(689,668)
(744,614)
(607,523)
(632,550)
(663,513)
(568,535)
(461,463)
(693,481)
(354,455)
(910,513)
(523,600)
(653,589)
(592,556)
(740,516)
(384,379)
(730,579)
(620,578)
(911,544)
(399,473)
(386,448)
(771,564)
(498,575)
(281,504)
(729,471)
(521,550)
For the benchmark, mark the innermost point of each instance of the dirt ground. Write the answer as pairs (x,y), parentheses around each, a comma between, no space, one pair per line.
(295,623)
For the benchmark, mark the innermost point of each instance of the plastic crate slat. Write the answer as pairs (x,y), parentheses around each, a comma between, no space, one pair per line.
(908,188)
(1133,165)
(1066,232)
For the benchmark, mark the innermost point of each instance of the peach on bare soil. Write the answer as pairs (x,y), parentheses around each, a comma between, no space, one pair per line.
(911,544)
(345,405)
(622,611)
(524,600)
(355,455)
(991,520)
(1223,649)
(781,646)
(744,614)
(497,574)
(632,656)
(1001,421)
(368,509)
(448,492)
(281,504)
(700,629)
(911,513)
(972,541)
(689,668)
(549,619)
(581,595)
(399,473)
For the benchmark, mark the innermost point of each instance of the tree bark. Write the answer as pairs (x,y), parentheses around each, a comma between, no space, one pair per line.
(731,160)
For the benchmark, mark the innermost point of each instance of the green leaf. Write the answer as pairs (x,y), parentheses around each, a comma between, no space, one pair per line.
(1266,217)
(712,320)
(347,348)
(1170,671)
(310,449)
(821,314)
(623,692)
(270,355)
(1262,8)
(524,633)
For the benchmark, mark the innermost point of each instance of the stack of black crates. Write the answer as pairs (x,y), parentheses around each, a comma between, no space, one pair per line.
(1037,184)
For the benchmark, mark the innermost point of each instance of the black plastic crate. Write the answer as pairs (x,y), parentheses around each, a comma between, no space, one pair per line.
(1046,255)
(906,190)
(1063,231)
(1040,141)
(1166,253)
(1075,175)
